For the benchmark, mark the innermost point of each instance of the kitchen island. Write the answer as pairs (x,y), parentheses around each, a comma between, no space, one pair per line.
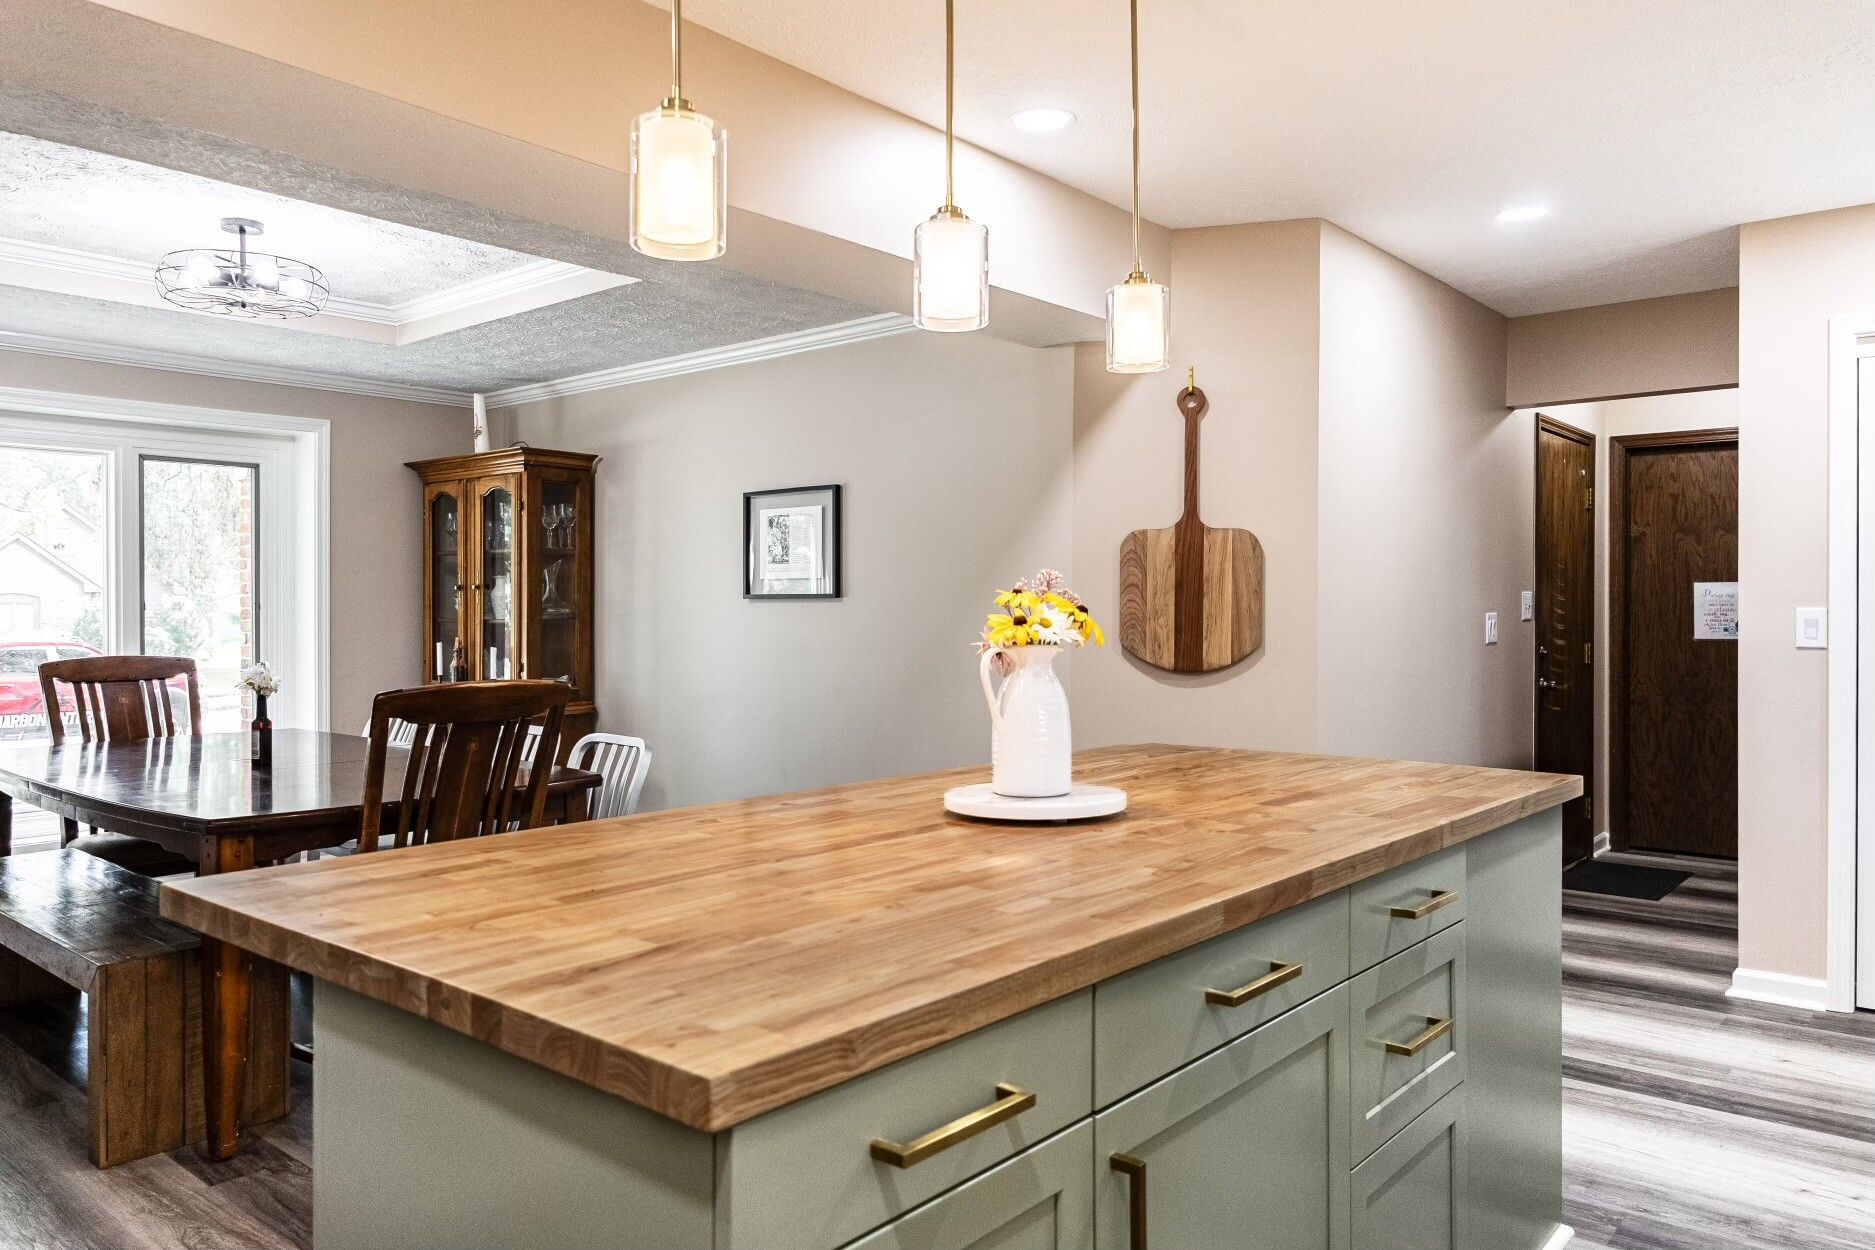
(1283,1001)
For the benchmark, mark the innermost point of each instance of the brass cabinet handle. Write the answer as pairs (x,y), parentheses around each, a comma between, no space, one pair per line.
(1436,1028)
(1134,1169)
(1279,974)
(1011,1101)
(1440,898)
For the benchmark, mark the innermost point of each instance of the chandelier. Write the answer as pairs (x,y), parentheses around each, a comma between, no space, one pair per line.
(239,283)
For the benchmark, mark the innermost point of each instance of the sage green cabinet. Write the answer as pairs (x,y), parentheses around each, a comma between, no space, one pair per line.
(1411,1193)
(1409,1036)
(1247,1147)
(1043,1199)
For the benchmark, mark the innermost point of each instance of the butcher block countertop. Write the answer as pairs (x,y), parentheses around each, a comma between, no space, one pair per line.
(712,963)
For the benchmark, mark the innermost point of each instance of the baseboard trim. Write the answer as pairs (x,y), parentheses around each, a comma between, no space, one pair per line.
(1602,846)
(1561,1237)
(1782,989)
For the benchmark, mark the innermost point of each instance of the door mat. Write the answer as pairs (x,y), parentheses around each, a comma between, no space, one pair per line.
(1600,876)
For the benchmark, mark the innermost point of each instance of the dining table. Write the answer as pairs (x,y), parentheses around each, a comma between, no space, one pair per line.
(209,798)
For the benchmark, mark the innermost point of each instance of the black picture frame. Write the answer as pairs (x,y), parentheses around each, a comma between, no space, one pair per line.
(824,585)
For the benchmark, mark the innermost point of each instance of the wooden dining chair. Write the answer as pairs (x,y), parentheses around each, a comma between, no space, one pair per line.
(464,762)
(123,698)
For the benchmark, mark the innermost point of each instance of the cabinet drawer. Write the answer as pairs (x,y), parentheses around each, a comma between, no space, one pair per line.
(1043,1199)
(1156,1018)
(1392,911)
(1408,1036)
(1410,1194)
(805,1176)
(1246,1147)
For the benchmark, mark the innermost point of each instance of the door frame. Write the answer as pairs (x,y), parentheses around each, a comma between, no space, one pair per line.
(1851,849)
(1619,449)
(1586,438)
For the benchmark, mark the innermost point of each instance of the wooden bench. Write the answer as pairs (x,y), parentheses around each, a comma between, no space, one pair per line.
(70,921)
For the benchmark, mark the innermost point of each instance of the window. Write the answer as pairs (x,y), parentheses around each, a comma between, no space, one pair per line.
(144,536)
(19,615)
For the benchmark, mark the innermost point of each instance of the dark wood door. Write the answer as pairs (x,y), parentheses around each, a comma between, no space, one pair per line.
(1674,737)
(1565,618)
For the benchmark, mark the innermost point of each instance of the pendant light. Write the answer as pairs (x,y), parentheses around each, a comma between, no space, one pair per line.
(1139,310)
(679,173)
(950,254)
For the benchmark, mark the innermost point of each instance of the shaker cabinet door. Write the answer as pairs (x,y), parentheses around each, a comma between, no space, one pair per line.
(1040,1200)
(1248,1147)
(1410,1195)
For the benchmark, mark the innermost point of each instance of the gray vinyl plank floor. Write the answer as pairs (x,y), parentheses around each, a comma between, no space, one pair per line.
(1693,1121)
(1690,1121)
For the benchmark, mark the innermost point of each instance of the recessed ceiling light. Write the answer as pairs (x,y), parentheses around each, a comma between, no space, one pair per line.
(1041,121)
(1522,212)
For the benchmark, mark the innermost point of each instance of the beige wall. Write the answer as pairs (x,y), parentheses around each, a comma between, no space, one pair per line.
(1425,485)
(1794,274)
(376,506)
(953,453)
(1357,428)
(1245,313)
(1654,414)
(1643,347)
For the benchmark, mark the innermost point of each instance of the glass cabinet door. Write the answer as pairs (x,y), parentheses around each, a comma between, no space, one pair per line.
(496,581)
(444,590)
(562,583)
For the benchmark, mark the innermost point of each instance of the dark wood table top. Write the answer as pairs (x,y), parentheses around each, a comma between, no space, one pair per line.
(208,785)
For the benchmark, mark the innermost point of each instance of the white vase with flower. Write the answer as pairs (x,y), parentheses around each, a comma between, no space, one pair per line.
(1031,741)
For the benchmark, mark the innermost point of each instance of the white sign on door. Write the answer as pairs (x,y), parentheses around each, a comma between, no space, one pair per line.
(1715,611)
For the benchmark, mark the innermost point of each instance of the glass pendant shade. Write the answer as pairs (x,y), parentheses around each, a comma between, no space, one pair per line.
(679,184)
(1139,326)
(950,273)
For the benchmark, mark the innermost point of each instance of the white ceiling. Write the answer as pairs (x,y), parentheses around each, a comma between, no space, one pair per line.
(1653,127)
(67,197)
(428,313)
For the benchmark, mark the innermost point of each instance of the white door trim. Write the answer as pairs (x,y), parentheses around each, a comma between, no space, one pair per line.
(312,472)
(1850,338)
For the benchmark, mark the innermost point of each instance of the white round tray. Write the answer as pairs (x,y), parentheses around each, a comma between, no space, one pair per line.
(1079,803)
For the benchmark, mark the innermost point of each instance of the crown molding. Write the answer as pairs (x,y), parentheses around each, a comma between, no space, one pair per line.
(182,362)
(861,330)
(536,284)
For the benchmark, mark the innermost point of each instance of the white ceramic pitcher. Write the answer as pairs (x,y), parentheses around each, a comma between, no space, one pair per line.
(1031,749)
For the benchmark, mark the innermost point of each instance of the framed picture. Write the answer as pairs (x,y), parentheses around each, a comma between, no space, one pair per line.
(791,540)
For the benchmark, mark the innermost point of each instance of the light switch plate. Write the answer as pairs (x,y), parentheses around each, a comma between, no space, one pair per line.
(1812,629)
(1490,629)
(1529,605)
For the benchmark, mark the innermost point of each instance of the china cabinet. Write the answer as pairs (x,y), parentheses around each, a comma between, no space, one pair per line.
(508,570)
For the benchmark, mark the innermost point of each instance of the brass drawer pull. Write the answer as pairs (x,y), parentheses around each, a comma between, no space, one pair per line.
(1436,1028)
(1440,898)
(1011,1102)
(1279,974)
(1134,1169)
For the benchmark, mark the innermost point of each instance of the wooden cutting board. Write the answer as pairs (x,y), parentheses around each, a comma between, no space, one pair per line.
(1191,597)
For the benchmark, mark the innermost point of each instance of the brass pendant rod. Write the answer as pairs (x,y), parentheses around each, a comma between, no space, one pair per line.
(1137,267)
(950,94)
(677,50)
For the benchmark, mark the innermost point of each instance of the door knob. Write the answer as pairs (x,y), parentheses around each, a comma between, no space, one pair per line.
(1544,683)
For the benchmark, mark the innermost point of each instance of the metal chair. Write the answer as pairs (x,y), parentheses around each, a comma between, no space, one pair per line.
(622,762)
(402,731)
